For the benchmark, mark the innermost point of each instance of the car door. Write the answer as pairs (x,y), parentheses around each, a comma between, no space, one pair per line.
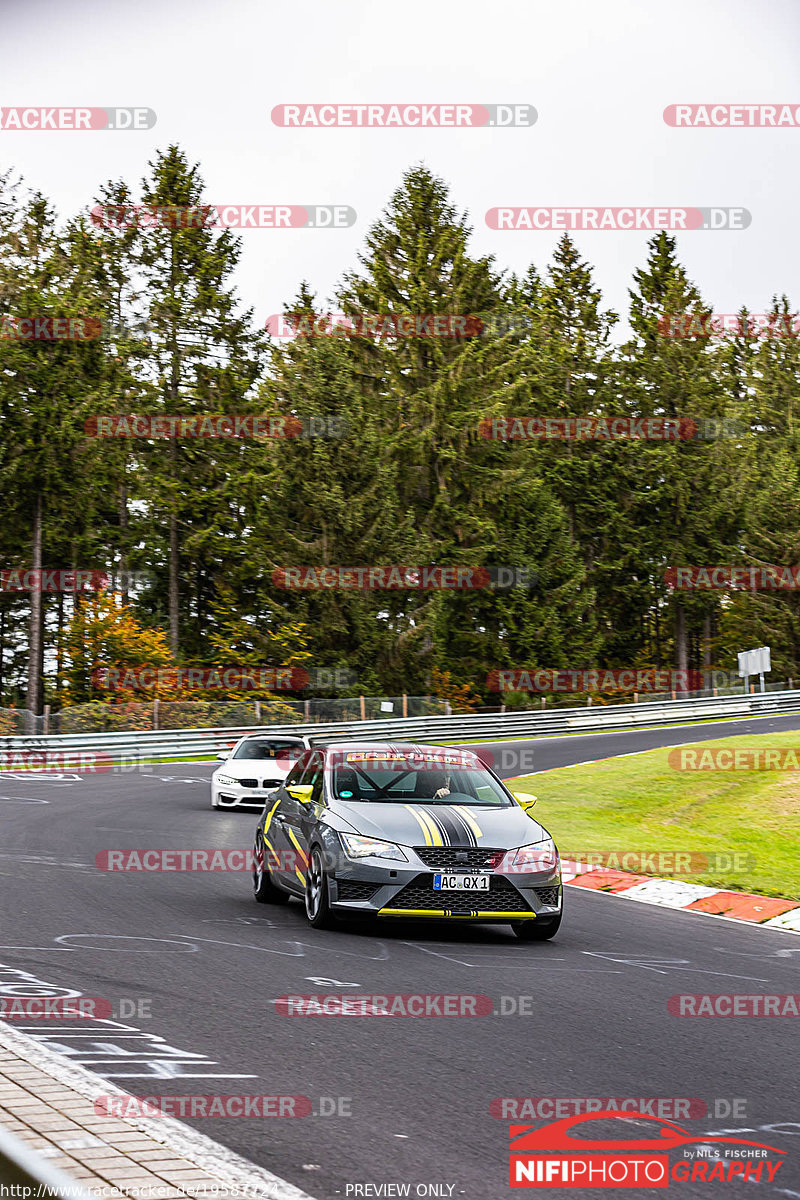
(300,817)
(281,852)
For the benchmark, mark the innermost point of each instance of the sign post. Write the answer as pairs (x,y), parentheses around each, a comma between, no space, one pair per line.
(754,662)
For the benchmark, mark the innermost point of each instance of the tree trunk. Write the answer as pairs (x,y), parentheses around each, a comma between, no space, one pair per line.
(173,580)
(707,650)
(174,388)
(40,696)
(60,645)
(657,623)
(124,562)
(36,639)
(681,646)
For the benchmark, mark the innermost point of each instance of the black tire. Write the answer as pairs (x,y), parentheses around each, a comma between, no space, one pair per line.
(318,909)
(540,930)
(264,890)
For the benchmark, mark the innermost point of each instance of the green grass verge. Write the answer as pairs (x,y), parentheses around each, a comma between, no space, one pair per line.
(640,803)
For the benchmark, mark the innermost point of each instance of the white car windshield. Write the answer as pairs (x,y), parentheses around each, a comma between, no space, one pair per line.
(260,748)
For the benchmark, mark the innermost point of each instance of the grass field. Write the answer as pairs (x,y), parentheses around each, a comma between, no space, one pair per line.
(641,803)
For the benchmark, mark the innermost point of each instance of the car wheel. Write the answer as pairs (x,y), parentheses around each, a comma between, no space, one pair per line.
(540,930)
(318,909)
(264,890)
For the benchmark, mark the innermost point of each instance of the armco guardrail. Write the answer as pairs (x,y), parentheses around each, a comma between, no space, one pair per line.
(131,748)
(22,1169)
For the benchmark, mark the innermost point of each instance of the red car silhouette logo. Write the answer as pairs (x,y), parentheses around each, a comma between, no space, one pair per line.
(557,1136)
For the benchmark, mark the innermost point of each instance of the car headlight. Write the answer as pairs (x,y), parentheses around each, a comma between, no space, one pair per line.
(226,780)
(538,856)
(367,847)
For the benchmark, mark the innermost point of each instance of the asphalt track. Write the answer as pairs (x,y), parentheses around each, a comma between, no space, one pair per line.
(209,963)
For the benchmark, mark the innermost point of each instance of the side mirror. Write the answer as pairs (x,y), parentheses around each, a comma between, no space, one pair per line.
(524,799)
(223,756)
(300,792)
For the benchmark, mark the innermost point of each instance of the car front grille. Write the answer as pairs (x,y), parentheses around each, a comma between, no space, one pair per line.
(354,889)
(248,782)
(547,895)
(502,896)
(458,858)
(271,783)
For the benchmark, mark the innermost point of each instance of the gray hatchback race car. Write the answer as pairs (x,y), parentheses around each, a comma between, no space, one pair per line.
(405,830)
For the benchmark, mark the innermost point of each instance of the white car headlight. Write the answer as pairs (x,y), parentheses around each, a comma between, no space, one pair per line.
(357,846)
(538,856)
(226,780)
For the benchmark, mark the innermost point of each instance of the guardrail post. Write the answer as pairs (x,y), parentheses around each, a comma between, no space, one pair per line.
(588,701)
(405,705)
(46,720)
(307,710)
(635,697)
(363,708)
(155,713)
(544,701)
(258,711)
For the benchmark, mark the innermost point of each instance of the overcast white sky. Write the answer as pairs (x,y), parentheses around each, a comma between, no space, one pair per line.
(599,74)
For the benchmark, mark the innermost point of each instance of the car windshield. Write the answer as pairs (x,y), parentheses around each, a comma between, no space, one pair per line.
(260,748)
(415,780)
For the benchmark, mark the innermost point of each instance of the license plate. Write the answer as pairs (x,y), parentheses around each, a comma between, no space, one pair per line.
(461,883)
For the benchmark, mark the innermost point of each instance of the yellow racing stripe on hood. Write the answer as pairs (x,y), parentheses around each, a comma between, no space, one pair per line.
(430,832)
(467,816)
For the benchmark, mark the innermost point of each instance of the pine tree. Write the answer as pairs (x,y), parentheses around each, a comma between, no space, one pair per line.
(203,355)
(46,384)
(685,507)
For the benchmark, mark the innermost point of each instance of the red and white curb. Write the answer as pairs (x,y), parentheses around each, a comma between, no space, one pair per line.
(767,911)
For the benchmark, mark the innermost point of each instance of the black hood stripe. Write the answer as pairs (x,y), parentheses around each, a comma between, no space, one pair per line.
(458,832)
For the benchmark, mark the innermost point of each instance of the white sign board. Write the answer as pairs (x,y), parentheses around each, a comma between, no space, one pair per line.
(754,662)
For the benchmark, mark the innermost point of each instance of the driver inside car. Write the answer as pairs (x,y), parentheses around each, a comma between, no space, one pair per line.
(433,785)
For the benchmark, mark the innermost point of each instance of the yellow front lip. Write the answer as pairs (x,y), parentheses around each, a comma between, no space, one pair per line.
(438,912)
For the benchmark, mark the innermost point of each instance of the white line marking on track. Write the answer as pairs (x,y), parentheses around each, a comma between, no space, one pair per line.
(786,953)
(301,948)
(265,949)
(165,946)
(323,982)
(504,964)
(648,963)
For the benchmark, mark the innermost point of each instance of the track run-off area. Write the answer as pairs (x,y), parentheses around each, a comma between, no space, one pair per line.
(192,968)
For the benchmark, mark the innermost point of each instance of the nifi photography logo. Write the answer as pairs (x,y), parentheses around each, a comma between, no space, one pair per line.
(562,1154)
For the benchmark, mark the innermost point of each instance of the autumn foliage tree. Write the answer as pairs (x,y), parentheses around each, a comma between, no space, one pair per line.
(106,635)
